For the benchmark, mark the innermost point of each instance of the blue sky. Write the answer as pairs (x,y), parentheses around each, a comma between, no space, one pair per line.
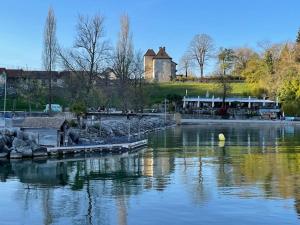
(170,23)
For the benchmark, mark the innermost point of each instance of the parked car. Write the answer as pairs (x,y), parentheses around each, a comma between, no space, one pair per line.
(54,108)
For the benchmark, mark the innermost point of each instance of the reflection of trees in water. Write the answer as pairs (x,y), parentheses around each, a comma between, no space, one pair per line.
(276,174)
(91,181)
(264,156)
(94,182)
(191,173)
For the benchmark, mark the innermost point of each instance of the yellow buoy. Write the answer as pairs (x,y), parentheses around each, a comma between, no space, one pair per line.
(221,137)
(221,144)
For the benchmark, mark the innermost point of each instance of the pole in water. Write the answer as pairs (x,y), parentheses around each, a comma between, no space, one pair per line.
(4,110)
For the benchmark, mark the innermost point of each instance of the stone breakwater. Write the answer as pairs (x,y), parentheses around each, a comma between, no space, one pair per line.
(113,130)
(16,144)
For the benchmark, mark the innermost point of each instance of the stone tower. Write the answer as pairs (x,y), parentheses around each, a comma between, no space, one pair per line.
(159,67)
(162,66)
(148,64)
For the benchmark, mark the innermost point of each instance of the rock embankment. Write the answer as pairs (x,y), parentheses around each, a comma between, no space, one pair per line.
(108,129)
(16,144)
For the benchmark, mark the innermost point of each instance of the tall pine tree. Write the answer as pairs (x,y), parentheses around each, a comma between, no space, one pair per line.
(298,37)
(297,48)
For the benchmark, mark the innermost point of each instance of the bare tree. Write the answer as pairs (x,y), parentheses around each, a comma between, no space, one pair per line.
(186,63)
(123,61)
(201,50)
(50,50)
(30,89)
(88,57)
(242,56)
(138,82)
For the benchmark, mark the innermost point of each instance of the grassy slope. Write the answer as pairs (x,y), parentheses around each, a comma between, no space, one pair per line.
(157,92)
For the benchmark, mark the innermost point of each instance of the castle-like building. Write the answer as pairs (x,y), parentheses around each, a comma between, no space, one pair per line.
(159,67)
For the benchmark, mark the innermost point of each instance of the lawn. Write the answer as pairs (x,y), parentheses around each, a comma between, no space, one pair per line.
(158,92)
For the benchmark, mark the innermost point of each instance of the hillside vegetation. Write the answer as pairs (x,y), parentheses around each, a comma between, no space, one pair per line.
(158,92)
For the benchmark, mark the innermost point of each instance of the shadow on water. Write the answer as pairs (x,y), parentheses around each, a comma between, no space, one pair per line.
(261,163)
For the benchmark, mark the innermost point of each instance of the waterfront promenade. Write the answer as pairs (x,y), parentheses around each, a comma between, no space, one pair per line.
(246,121)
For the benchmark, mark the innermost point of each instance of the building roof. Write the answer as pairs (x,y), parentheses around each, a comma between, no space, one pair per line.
(162,54)
(150,52)
(14,72)
(236,99)
(2,70)
(42,122)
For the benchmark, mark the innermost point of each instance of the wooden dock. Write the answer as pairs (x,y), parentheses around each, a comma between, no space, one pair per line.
(106,148)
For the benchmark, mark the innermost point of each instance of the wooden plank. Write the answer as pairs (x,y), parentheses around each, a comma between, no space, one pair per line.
(91,148)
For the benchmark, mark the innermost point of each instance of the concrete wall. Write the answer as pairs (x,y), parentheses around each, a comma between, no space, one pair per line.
(162,70)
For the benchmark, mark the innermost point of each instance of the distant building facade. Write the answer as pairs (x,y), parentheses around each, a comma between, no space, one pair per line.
(15,77)
(159,67)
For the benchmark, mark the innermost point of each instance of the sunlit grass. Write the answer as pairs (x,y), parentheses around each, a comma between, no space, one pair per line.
(158,92)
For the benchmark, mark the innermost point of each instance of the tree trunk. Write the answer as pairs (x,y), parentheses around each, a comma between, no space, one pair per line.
(50,93)
(201,71)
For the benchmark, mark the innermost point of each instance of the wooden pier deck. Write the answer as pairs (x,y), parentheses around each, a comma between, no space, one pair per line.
(110,148)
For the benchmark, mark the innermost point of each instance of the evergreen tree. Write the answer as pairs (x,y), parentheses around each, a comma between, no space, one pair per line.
(269,61)
(298,37)
(297,47)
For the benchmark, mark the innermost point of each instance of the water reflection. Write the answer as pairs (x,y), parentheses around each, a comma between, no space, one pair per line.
(186,164)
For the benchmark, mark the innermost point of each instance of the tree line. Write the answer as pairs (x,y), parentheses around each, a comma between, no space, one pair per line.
(272,70)
(92,62)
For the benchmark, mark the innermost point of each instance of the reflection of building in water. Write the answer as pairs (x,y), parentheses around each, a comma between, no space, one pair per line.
(158,168)
(148,165)
(50,174)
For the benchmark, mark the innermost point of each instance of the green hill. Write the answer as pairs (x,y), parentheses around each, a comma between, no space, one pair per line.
(157,92)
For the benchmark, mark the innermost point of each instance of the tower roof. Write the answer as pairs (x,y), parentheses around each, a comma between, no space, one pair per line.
(162,54)
(150,52)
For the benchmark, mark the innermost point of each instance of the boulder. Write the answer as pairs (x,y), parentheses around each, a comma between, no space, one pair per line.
(74,136)
(8,140)
(84,141)
(40,152)
(4,152)
(22,147)
(93,130)
(26,151)
(17,143)
(15,155)
(20,134)
(8,132)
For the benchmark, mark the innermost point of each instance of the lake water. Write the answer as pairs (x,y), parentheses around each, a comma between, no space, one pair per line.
(186,176)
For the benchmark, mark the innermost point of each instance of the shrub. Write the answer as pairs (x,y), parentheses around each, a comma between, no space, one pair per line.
(259,92)
(72,123)
(79,108)
(291,108)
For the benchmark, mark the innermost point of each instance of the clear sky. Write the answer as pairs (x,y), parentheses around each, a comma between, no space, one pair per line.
(170,23)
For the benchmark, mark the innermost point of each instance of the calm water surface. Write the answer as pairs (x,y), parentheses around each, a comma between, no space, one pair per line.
(185,177)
